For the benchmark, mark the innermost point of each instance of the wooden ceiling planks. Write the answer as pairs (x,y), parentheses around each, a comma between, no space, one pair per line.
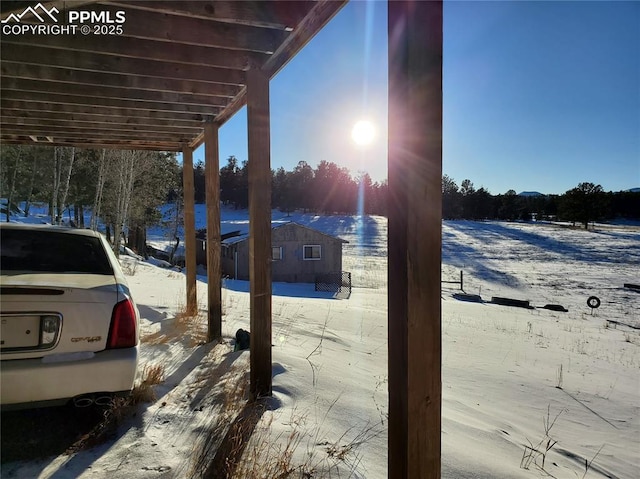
(121,46)
(176,65)
(96,62)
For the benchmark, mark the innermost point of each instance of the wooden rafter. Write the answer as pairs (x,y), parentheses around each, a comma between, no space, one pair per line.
(24,116)
(94,62)
(196,31)
(267,13)
(116,144)
(132,104)
(123,47)
(99,80)
(34,107)
(56,126)
(74,89)
(100,135)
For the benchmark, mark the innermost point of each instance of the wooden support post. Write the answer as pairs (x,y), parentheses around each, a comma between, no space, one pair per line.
(415,230)
(214,271)
(259,230)
(189,229)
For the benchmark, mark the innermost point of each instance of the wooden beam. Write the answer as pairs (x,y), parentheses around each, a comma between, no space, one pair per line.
(72,126)
(214,249)
(322,12)
(33,108)
(15,84)
(146,49)
(18,53)
(265,13)
(84,143)
(163,26)
(106,79)
(415,210)
(232,108)
(197,141)
(155,25)
(258,130)
(17,116)
(60,99)
(189,229)
(63,132)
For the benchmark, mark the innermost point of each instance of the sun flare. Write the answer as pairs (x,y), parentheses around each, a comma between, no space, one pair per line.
(363,132)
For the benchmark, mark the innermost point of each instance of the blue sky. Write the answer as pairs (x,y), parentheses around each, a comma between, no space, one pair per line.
(537,95)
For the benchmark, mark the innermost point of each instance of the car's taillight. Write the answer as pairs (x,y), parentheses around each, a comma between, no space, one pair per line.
(122,333)
(49,329)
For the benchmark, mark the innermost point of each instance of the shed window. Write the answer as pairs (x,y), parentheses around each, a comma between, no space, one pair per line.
(276,253)
(312,252)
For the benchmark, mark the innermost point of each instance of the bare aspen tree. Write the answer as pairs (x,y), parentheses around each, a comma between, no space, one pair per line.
(97,202)
(125,178)
(27,206)
(57,173)
(65,188)
(12,185)
(178,220)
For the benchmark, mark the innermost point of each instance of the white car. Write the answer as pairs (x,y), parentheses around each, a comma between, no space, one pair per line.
(70,329)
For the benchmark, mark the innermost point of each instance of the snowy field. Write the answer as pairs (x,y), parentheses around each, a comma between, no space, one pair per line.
(508,372)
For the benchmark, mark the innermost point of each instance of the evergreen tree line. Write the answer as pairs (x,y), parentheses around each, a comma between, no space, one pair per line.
(125,188)
(331,189)
(326,189)
(585,203)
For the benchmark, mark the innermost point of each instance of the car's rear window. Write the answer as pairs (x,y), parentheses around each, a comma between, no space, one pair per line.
(52,251)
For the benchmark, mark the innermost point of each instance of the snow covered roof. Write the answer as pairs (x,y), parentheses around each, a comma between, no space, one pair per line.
(243,234)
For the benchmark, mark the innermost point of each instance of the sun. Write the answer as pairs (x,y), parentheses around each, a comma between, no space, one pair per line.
(363,132)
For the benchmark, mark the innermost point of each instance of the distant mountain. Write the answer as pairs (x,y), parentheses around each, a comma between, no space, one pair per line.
(537,193)
(530,193)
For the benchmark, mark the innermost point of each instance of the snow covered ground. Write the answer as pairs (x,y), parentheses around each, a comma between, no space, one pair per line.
(507,371)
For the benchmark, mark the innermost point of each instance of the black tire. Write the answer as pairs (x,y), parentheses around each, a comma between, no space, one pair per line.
(593,302)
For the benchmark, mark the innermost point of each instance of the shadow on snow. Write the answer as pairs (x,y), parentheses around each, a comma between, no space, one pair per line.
(292,290)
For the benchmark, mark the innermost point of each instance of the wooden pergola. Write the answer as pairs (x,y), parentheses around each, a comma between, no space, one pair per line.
(165,75)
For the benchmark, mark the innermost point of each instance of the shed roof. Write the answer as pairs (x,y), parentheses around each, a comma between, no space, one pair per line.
(174,66)
(243,235)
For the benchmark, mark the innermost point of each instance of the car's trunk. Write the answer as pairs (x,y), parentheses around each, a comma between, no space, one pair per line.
(55,314)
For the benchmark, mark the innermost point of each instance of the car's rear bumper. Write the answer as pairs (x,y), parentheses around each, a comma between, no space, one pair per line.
(37,381)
